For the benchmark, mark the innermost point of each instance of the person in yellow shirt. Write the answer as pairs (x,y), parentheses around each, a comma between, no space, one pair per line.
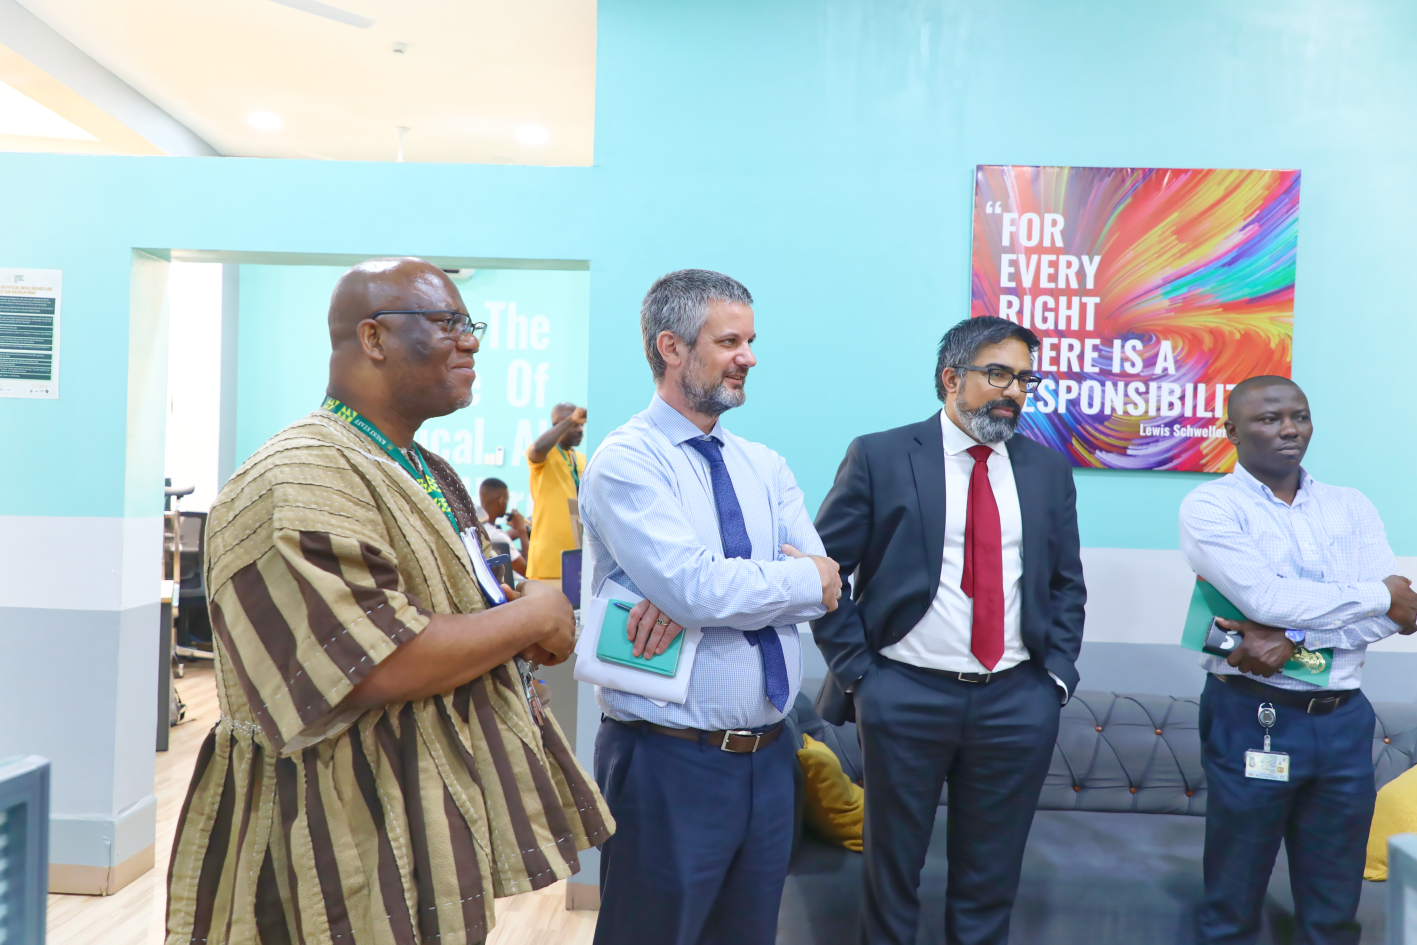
(556,466)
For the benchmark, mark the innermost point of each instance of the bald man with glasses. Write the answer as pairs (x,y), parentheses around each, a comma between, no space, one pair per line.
(382,768)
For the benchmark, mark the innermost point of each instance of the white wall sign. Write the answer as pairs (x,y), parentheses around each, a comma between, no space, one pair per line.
(29,332)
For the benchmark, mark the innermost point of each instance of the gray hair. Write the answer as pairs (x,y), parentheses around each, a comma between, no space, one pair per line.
(962,342)
(678,303)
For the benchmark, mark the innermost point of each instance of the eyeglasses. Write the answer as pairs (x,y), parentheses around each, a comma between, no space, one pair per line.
(453,323)
(1001,379)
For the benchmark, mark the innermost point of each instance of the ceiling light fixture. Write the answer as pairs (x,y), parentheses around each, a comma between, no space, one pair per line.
(532,134)
(265,121)
(328,12)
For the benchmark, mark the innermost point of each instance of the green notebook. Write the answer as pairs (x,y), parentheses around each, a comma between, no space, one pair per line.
(615,646)
(1207,603)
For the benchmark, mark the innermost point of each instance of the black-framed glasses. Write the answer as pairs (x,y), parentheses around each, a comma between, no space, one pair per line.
(1001,379)
(453,323)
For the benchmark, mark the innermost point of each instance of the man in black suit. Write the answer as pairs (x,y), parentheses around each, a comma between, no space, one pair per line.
(955,649)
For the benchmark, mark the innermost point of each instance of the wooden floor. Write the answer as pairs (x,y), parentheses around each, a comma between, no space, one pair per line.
(134,916)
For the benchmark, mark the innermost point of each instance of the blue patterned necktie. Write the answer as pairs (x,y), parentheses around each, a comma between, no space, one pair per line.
(737,544)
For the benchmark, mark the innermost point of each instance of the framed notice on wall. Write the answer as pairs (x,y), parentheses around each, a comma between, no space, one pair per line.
(29,332)
(1154,292)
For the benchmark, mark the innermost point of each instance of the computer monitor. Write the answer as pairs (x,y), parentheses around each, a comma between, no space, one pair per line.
(24,849)
(571,576)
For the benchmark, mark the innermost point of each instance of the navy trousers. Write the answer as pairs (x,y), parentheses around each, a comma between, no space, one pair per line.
(1322,813)
(993,743)
(702,839)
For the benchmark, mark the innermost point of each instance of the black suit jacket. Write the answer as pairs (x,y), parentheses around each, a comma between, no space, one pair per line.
(884,523)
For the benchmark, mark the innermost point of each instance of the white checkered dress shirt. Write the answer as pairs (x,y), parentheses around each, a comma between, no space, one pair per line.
(651,525)
(1316,566)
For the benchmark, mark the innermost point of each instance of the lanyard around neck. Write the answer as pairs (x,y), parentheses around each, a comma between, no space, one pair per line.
(421,475)
(571,462)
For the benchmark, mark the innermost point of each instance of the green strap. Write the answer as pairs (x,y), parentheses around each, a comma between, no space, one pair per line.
(571,462)
(422,475)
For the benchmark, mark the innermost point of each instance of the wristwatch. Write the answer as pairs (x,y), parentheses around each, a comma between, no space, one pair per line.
(1296,637)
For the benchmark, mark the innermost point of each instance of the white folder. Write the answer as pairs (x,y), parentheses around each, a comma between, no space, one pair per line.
(661,690)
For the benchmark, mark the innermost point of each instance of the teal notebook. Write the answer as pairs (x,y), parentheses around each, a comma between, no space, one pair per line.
(615,645)
(1207,603)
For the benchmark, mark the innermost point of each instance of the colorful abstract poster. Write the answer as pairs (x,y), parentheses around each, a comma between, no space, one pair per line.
(1154,292)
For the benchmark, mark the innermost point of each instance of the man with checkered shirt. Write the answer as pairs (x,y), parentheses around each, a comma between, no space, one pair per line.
(1310,566)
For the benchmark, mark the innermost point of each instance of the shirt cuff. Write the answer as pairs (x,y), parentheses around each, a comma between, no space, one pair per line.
(1065,696)
(804,584)
(1376,595)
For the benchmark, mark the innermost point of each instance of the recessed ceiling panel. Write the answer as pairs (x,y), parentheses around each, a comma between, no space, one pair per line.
(364,80)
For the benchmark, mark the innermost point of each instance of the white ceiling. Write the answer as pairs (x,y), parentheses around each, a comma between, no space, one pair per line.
(475,73)
(23,116)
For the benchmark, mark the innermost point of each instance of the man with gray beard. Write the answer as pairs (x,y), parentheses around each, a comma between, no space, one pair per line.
(707,526)
(955,648)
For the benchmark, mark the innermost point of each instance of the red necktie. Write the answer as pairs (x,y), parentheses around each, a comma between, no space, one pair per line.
(983,578)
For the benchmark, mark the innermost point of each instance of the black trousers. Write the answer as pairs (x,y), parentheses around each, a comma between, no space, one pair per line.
(993,743)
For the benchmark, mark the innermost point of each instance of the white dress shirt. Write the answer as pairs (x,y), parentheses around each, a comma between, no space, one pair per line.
(1316,565)
(941,639)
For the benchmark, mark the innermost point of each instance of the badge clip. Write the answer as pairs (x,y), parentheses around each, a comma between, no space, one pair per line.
(1267,765)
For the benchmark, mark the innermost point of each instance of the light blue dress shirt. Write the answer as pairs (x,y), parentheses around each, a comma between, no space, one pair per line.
(1316,566)
(647,507)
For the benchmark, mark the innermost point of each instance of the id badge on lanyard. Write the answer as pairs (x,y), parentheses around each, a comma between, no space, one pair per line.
(492,590)
(486,580)
(1265,764)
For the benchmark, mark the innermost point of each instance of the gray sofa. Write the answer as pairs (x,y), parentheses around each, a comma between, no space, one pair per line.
(1114,857)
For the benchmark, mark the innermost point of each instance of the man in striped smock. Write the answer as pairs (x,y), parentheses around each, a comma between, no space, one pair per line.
(379,772)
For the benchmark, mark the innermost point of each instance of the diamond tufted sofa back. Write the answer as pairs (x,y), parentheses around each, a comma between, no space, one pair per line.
(1137,753)
(1394,740)
(1141,753)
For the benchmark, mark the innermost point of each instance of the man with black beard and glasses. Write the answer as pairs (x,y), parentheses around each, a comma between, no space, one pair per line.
(955,648)
(706,525)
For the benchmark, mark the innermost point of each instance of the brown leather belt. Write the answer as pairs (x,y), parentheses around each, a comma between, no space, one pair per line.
(738,741)
(1312,701)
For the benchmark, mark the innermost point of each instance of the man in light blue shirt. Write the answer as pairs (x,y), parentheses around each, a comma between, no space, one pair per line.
(1310,565)
(707,527)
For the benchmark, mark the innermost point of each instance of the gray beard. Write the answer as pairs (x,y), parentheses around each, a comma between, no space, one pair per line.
(711,401)
(985,427)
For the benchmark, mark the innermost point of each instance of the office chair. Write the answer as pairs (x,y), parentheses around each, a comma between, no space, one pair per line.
(24,849)
(184,549)
(194,627)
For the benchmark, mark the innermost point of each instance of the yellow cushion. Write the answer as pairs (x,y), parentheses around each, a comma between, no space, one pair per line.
(1396,812)
(835,807)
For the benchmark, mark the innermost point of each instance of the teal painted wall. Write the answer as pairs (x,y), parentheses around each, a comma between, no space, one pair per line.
(821,152)
(284,351)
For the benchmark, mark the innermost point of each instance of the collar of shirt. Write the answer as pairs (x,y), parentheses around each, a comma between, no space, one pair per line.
(677,427)
(1303,494)
(957,441)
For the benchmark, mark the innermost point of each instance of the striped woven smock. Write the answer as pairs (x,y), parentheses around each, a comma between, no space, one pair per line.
(306,823)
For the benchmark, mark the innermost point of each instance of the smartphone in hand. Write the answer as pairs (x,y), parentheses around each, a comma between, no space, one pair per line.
(1219,641)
